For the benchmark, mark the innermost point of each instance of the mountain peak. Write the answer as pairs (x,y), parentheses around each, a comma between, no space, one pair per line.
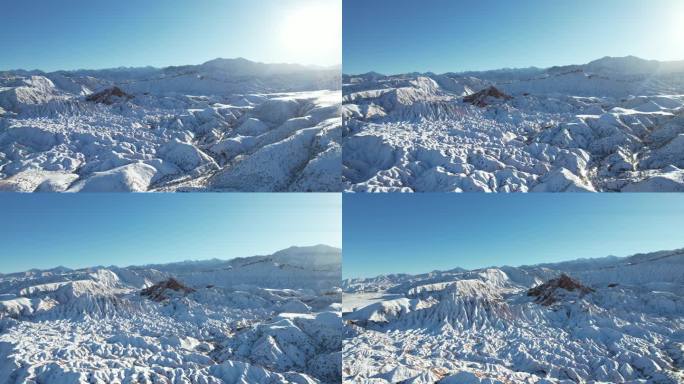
(630,58)
(222,60)
(243,67)
(625,64)
(309,255)
(550,292)
(310,248)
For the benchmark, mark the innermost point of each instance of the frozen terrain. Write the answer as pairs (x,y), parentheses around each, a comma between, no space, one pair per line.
(609,320)
(225,125)
(615,124)
(261,319)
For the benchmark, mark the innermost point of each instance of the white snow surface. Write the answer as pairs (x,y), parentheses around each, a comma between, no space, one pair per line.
(225,125)
(615,124)
(261,319)
(481,326)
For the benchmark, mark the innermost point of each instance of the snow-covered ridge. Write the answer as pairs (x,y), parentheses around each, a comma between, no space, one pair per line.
(617,320)
(615,124)
(261,319)
(228,124)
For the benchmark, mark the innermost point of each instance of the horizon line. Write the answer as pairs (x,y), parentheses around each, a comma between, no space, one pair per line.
(199,260)
(680,249)
(504,68)
(125,67)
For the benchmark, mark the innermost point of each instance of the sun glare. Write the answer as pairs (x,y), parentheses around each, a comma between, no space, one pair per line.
(675,31)
(678,27)
(312,34)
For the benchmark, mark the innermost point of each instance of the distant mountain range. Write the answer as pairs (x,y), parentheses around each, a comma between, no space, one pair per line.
(613,124)
(612,320)
(273,318)
(625,64)
(144,129)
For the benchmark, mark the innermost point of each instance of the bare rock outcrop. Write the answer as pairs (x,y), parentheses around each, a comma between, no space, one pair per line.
(486,96)
(109,96)
(166,289)
(551,291)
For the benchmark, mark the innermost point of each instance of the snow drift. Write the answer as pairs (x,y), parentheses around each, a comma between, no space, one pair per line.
(615,320)
(225,125)
(261,319)
(614,124)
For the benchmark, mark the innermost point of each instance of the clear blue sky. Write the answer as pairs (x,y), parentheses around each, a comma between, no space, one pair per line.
(395,233)
(399,36)
(44,231)
(87,34)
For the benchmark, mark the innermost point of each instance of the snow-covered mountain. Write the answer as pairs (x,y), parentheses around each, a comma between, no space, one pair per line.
(615,124)
(261,319)
(225,125)
(610,320)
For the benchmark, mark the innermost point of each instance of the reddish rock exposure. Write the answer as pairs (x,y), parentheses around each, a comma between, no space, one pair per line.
(109,96)
(483,98)
(160,291)
(548,292)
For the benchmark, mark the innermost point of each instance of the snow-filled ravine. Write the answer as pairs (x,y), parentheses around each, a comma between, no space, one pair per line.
(615,124)
(609,320)
(261,319)
(225,125)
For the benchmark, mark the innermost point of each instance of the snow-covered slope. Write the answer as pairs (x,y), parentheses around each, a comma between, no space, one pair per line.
(611,320)
(261,319)
(615,124)
(225,125)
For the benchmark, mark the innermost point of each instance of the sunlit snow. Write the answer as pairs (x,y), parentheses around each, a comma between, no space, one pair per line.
(225,125)
(261,319)
(610,320)
(615,124)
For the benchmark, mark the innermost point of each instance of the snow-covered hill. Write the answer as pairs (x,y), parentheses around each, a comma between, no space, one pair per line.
(225,125)
(615,124)
(261,319)
(611,320)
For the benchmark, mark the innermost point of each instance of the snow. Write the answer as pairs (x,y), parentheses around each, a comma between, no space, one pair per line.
(611,125)
(185,156)
(590,320)
(134,177)
(199,126)
(247,320)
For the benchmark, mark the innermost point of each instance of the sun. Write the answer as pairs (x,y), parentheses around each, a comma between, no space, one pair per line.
(312,34)
(676,33)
